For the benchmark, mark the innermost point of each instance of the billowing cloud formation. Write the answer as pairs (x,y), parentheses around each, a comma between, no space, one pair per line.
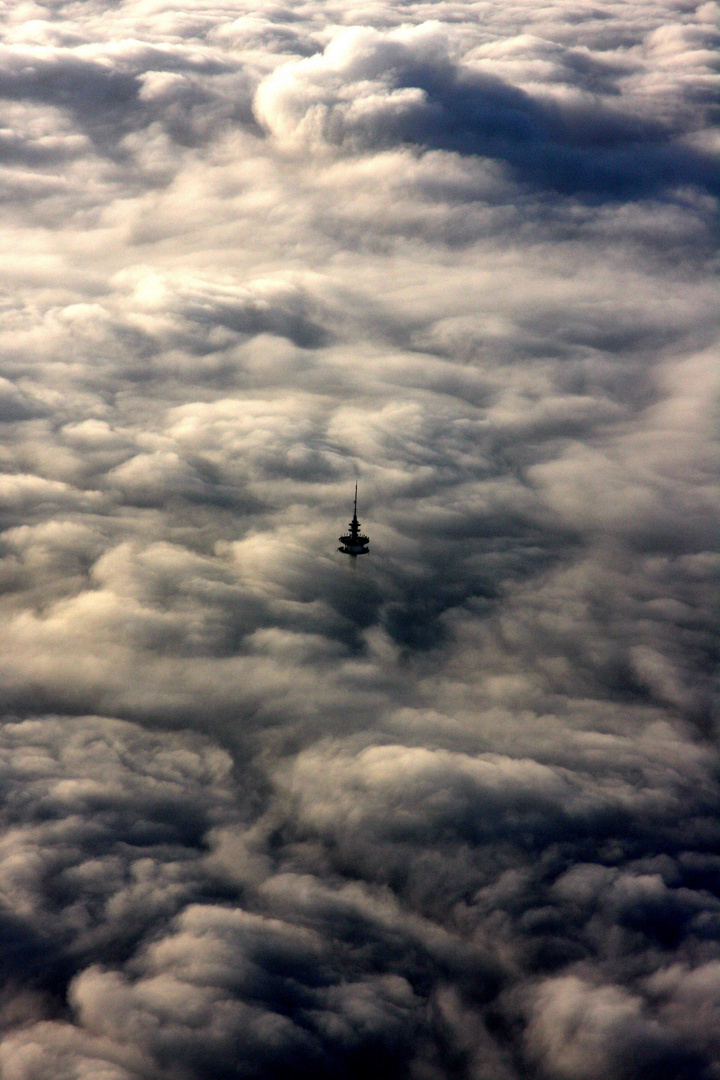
(450,813)
(373,89)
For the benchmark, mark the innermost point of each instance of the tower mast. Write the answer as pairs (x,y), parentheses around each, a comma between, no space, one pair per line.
(354,543)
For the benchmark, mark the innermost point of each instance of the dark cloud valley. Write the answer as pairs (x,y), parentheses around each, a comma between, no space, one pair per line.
(450,813)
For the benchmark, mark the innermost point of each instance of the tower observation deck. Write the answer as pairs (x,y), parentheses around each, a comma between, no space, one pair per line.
(354,543)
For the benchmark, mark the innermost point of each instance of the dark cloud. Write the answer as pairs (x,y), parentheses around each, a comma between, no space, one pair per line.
(448,812)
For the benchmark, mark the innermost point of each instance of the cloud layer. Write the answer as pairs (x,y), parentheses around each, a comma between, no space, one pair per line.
(450,813)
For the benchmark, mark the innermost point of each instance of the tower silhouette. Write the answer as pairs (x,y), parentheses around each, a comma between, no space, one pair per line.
(354,543)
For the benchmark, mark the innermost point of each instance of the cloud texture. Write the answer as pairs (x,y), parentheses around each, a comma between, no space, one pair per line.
(451,813)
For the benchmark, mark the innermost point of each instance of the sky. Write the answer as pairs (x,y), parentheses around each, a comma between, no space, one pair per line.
(451,810)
